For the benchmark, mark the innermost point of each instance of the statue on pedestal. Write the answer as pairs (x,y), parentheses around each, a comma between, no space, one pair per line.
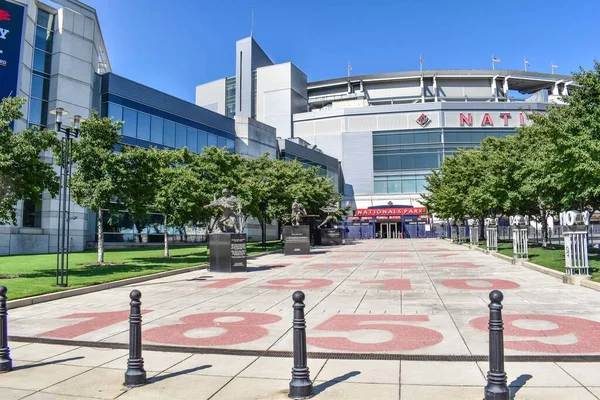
(331,210)
(298,212)
(230,209)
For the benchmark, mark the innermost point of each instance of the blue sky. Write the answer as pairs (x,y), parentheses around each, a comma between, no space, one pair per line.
(175,45)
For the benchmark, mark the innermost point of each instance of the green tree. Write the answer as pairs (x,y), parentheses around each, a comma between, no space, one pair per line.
(95,182)
(179,193)
(23,175)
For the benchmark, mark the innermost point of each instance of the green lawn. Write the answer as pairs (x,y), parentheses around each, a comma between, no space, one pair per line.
(552,257)
(31,275)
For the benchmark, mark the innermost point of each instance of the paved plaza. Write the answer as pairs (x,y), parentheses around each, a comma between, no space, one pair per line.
(424,300)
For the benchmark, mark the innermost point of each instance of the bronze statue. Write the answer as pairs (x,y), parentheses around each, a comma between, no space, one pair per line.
(298,212)
(331,210)
(230,209)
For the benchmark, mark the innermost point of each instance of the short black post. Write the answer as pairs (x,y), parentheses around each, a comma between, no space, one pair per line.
(135,374)
(5,360)
(300,386)
(496,388)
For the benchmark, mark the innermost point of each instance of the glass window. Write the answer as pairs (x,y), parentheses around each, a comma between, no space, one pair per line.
(381,187)
(421,183)
(231,145)
(130,119)
(115,112)
(39,87)
(394,186)
(143,128)
(212,140)
(202,141)
(41,61)
(394,162)
(31,214)
(393,139)
(380,163)
(407,138)
(180,135)
(38,112)
(408,161)
(43,39)
(221,142)
(409,186)
(156,133)
(169,129)
(379,140)
(45,19)
(192,140)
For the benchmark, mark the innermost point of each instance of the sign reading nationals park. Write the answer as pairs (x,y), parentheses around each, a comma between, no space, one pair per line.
(374,212)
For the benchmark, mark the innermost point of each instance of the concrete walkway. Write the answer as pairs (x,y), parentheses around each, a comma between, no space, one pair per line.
(68,372)
(378,298)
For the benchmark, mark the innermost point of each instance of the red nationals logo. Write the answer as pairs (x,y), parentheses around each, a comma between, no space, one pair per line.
(4,16)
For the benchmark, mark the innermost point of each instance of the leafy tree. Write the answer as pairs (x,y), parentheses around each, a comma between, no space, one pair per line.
(23,175)
(179,191)
(95,182)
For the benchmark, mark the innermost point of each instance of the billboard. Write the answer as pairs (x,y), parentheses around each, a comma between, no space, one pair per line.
(11,31)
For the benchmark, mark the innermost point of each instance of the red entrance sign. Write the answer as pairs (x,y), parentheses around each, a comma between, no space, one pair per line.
(370,212)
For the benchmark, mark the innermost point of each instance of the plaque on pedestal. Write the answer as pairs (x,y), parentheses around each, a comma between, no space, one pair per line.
(296,239)
(332,236)
(228,252)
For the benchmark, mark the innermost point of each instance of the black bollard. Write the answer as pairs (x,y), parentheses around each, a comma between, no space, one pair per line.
(5,360)
(135,374)
(300,386)
(496,388)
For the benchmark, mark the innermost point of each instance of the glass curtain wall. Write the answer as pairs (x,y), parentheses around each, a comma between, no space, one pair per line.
(402,159)
(40,77)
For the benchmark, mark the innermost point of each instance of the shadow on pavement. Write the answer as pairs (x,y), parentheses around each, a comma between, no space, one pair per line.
(517,384)
(174,374)
(41,364)
(338,379)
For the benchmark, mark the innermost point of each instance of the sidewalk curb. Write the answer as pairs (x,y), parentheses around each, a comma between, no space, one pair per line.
(43,298)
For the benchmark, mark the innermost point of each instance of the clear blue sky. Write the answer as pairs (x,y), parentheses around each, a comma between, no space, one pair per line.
(175,45)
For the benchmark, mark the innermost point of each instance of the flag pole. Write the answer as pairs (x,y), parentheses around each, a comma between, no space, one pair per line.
(420,63)
(252,24)
(493,63)
(525,62)
(348,69)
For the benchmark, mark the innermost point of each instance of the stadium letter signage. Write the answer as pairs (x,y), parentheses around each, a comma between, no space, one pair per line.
(11,30)
(372,212)
(487,119)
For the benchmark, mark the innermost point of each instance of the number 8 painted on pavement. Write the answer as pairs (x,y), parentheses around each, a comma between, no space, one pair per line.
(240,328)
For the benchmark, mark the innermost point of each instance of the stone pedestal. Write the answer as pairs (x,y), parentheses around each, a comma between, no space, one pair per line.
(228,252)
(332,236)
(296,239)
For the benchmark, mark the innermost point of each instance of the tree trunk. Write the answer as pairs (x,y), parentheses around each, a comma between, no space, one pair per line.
(100,236)
(544,218)
(166,236)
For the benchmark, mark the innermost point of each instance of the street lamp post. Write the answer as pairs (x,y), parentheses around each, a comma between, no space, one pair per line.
(64,203)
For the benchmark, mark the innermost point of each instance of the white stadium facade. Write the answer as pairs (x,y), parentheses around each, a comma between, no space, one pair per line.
(388,130)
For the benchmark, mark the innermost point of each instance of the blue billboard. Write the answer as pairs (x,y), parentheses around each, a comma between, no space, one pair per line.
(11,31)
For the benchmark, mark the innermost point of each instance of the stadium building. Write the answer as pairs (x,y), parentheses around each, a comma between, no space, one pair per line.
(387,130)
(375,136)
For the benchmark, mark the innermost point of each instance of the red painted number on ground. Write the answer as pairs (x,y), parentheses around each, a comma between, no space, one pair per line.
(547,332)
(213,329)
(404,337)
(93,322)
(390,284)
(297,283)
(480,284)
(222,283)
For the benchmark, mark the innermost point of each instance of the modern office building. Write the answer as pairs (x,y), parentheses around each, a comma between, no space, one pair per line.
(388,130)
(53,55)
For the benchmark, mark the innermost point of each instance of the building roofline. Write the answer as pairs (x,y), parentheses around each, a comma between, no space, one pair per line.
(455,73)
